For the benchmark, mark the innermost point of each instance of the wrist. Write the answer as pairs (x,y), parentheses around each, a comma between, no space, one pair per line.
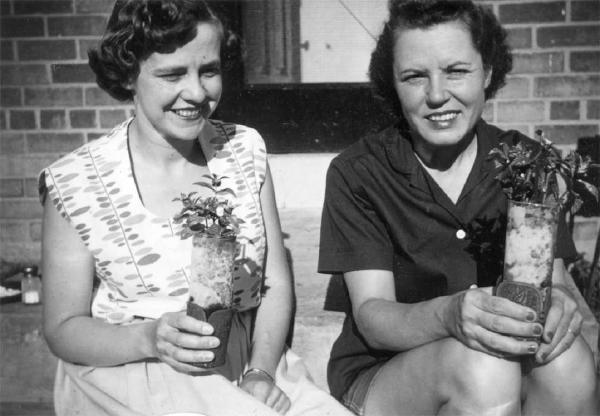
(259,373)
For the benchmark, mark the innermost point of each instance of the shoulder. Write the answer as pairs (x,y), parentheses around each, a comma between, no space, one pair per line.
(238,134)
(372,149)
(495,135)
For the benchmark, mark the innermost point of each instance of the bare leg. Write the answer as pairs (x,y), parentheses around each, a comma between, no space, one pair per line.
(565,386)
(448,378)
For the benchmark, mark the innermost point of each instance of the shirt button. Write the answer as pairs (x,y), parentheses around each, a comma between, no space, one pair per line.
(461,234)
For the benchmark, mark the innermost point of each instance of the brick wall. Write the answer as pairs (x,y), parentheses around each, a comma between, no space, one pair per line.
(49,103)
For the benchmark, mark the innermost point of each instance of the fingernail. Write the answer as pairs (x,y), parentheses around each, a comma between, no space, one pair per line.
(537,330)
(532,348)
(531,316)
(215,343)
(550,335)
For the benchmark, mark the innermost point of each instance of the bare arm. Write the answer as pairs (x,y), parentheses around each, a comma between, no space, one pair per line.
(73,335)
(476,318)
(275,311)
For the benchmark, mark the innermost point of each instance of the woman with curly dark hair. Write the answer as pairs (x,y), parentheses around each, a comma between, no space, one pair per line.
(116,263)
(415,221)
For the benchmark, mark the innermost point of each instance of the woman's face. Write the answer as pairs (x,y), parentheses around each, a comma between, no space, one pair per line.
(175,93)
(440,81)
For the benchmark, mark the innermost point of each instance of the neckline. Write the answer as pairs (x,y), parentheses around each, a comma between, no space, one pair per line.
(133,183)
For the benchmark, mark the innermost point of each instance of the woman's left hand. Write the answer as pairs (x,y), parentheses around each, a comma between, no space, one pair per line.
(563,325)
(265,390)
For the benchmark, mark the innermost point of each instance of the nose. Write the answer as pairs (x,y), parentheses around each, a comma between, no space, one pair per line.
(437,91)
(193,90)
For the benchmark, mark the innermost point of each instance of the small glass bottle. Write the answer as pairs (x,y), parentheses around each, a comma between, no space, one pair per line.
(31,286)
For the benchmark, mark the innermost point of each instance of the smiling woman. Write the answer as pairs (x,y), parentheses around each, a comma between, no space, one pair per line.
(113,248)
(415,221)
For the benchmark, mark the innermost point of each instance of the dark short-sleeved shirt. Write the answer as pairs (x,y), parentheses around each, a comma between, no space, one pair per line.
(384,211)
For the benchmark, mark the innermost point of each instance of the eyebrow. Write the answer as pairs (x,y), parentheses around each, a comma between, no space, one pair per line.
(457,63)
(204,67)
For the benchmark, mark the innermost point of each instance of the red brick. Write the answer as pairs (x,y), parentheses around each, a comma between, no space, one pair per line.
(524,63)
(593,109)
(585,61)
(519,38)
(31,188)
(519,111)
(110,118)
(6,51)
(42,6)
(585,10)
(53,142)
(11,188)
(82,118)
(22,120)
(35,50)
(549,37)
(568,134)
(564,110)
(12,143)
(53,119)
(532,12)
(567,86)
(23,75)
(64,73)
(21,27)
(54,97)
(35,231)
(24,166)
(96,96)
(76,25)
(21,209)
(93,6)
(85,45)
(10,97)
(4,7)
(13,231)
(515,88)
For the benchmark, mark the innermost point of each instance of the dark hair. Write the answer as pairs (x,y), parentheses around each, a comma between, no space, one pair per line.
(489,39)
(138,28)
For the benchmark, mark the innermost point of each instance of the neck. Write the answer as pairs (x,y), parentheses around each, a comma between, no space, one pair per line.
(444,158)
(155,149)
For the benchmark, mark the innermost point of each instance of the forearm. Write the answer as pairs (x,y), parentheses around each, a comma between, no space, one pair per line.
(389,325)
(272,325)
(89,341)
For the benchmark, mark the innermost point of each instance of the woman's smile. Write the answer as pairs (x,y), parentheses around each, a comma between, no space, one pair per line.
(443,120)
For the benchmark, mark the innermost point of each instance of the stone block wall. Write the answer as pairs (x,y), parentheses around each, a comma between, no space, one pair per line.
(49,103)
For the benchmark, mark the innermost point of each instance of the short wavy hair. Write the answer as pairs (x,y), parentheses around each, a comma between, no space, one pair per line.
(489,39)
(138,28)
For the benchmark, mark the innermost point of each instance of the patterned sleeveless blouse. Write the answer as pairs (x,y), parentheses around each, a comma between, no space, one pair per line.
(140,259)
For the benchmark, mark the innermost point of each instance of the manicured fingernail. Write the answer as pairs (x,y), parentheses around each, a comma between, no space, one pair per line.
(532,348)
(531,316)
(549,336)
(537,330)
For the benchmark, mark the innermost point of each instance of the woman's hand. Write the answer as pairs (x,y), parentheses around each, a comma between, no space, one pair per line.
(179,339)
(489,323)
(264,389)
(563,325)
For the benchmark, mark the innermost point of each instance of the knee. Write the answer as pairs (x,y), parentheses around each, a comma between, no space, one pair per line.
(480,377)
(571,374)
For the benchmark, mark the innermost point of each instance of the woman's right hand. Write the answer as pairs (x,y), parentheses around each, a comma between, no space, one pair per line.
(489,323)
(178,339)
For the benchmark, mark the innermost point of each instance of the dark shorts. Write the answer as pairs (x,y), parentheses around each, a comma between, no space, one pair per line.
(354,399)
